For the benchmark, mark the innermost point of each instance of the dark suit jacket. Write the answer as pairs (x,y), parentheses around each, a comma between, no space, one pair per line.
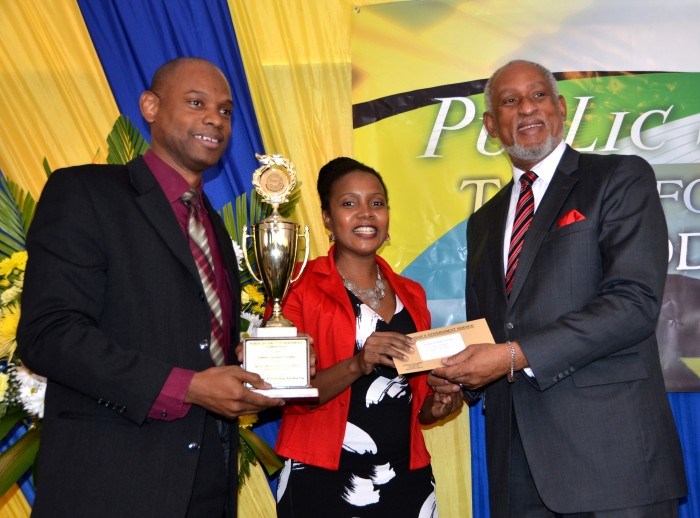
(595,422)
(112,302)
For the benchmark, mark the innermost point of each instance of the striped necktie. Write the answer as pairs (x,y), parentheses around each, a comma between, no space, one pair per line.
(199,244)
(523,217)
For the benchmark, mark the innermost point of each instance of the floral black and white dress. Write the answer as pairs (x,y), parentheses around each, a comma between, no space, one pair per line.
(373,478)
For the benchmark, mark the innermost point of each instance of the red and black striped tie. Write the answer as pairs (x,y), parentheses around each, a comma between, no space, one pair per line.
(523,217)
(199,245)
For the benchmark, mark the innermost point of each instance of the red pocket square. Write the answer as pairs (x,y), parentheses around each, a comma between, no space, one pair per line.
(570,217)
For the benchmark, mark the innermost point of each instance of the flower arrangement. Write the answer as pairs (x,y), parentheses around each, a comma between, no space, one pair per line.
(19,387)
(21,391)
(252,299)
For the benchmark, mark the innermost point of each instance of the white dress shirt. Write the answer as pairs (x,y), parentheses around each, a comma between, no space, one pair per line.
(545,171)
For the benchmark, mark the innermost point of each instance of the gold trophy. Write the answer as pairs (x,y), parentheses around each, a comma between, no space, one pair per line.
(277,352)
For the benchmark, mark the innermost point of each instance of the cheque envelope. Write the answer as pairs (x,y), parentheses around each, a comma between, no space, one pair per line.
(435,344)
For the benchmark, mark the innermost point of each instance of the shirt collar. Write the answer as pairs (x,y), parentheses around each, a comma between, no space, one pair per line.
(172,183)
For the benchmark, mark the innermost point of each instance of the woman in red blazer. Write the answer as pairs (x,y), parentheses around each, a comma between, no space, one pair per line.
(360,451)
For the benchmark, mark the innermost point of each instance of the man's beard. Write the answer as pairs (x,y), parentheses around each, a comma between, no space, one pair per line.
(533,153)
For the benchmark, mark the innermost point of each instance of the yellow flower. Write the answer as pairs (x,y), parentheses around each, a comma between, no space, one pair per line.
(259,299)
(17,261)
(9,319)
(246,421)
(4,383)
(11,294)
(245,298)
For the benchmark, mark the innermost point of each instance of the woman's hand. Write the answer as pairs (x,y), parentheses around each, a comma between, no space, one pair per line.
(439,406)
(382,348)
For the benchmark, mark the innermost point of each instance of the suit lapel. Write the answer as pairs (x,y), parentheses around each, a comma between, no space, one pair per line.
(158,212)
(495,250)
(557,193)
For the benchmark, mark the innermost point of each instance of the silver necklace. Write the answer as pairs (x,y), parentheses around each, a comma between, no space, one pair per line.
(374,295)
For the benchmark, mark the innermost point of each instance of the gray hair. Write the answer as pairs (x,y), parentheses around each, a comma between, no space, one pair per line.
(545,72)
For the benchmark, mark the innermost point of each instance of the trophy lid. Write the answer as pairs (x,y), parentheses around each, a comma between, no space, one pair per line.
(275,179)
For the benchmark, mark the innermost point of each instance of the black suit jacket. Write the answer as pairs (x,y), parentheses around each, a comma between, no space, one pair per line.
(595,421)
(112,302)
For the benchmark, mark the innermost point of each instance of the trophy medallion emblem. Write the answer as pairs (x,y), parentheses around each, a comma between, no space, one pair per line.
(276,352)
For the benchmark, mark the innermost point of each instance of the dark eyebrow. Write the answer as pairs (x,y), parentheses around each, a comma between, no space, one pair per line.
(206,94)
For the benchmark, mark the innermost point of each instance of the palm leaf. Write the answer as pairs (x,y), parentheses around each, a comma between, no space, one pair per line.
(267,456)
(10,420)
(226,213)
(124,142)
(13,223)
(18,458)
(287,209)
(25,202)
(47,168)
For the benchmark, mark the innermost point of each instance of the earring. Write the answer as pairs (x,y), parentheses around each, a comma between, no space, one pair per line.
(331,237)
(388,237)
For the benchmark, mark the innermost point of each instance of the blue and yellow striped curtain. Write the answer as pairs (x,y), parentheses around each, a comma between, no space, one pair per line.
(68,68)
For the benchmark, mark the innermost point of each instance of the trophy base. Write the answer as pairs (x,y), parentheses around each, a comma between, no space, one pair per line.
(289,393)
(274,332)
(283,362)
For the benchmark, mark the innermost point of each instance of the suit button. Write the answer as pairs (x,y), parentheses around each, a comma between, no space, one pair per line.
(204,344)
(193,446)
(510,325)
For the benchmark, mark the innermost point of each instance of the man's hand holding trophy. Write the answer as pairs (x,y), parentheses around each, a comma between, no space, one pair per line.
(277,352)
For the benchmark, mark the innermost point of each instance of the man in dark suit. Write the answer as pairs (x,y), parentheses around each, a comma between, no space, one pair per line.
(577,419)
(139,422)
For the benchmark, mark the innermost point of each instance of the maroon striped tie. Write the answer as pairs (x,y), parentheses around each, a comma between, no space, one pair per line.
(199,244)
(523,217)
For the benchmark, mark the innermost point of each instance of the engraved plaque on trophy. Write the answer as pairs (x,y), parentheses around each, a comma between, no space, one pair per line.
(276,352)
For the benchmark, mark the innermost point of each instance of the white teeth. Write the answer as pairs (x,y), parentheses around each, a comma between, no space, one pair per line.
(365,230)
(529,126)
(202,137)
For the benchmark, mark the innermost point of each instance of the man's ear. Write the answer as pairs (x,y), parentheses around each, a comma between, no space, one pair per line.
(149,103)
(562,106)
(490,125)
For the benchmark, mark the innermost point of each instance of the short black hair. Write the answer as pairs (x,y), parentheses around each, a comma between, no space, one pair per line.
(335,170)
(161,75)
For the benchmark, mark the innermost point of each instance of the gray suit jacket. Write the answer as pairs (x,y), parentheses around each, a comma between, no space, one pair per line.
(595,421)
(112,302)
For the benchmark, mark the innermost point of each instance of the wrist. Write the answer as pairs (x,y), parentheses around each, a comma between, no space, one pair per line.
(355,367)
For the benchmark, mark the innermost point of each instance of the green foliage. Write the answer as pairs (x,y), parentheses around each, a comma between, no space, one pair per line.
(124,142)
(47,168)
(16,213)
(11,419)
(261,450)
(19,458)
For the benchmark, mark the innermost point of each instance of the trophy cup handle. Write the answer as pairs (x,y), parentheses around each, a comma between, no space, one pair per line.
(244,248)
(306,254)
